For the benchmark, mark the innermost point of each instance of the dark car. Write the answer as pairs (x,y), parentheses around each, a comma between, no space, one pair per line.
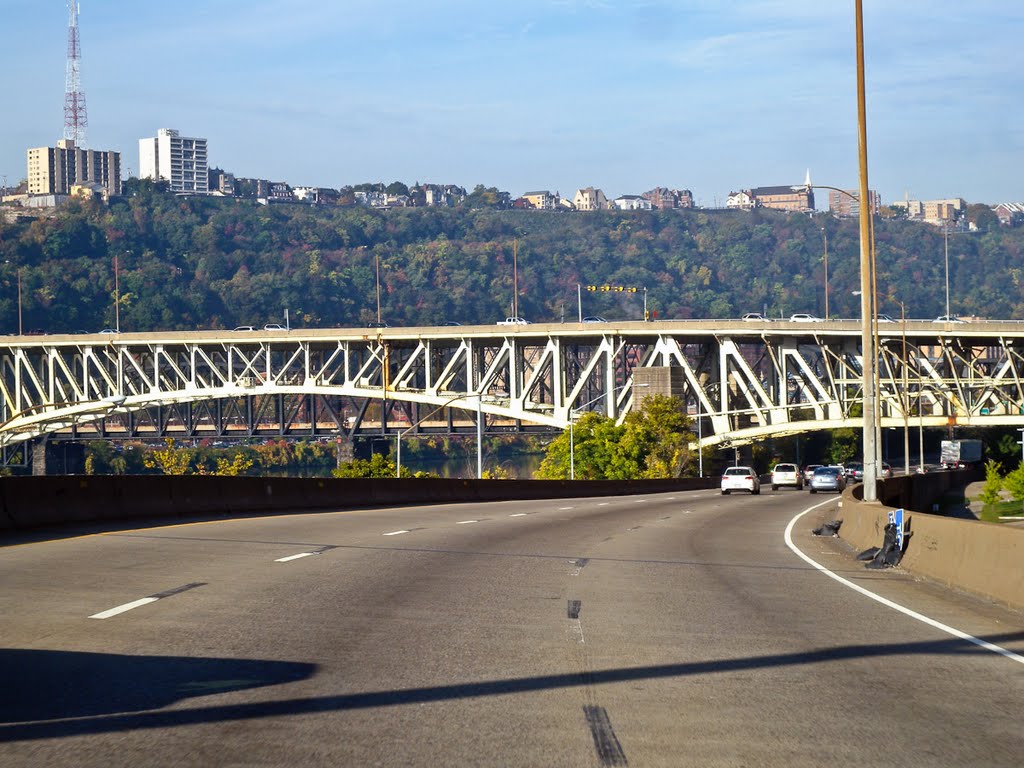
(377,324)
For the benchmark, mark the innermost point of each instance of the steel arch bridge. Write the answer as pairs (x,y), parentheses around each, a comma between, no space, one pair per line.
(741,381)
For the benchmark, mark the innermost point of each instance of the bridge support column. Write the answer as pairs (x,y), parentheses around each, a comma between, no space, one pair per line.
(344,450)
(39,462)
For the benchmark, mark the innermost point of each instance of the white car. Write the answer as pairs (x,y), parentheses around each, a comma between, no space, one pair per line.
(755,317)
(803,317)
(948,319)
(740,479)
(787,475)
(513,321)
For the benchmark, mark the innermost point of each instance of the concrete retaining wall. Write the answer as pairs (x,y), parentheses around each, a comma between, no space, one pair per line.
(986,559)
(34,502)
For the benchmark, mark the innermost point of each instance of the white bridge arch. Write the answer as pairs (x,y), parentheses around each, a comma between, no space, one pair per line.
(743,381)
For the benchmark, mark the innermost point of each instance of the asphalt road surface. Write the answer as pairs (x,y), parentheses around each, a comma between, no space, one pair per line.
(668,630)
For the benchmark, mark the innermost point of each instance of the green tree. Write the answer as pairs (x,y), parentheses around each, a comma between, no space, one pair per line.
(1014,483)
(377,465)
(652,442)
(845,445)
(993,483)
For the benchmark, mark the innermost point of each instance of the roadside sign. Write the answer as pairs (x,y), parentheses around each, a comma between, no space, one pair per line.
(896,518)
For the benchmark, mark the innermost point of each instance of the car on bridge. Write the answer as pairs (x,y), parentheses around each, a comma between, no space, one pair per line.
(740,479)
(755,317)
(948,319)
(804,317)
(514,321)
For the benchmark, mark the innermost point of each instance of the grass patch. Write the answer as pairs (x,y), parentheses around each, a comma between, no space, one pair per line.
(992,512)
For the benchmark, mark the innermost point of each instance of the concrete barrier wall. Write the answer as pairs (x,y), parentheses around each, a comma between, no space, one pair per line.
(35,502)
(986,559)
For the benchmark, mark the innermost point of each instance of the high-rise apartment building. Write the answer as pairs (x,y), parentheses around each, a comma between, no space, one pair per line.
(55,170)
(181,160)
(847,202)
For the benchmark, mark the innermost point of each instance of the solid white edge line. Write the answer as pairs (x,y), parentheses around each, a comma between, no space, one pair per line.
(393,533)
(123,608)
(293,557)
(889,603)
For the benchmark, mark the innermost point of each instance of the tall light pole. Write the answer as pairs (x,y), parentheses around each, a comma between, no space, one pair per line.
(905,400)
(824,234)
(515,277)
(945,232)
(376,264)
(117,297)
(867,309)
(19,302)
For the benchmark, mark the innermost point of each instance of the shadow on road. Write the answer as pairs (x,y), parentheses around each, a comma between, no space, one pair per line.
(39,685)
(176,678)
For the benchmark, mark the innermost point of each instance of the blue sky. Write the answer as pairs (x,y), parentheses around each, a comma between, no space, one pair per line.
(623,95)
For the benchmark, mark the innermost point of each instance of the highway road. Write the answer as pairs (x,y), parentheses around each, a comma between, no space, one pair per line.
(667,630)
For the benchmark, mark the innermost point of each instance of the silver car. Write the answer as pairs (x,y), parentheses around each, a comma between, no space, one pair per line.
(828,479)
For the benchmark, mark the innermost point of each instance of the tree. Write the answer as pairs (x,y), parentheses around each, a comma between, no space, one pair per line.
(993,483)
(652,442)
(844,446)
(170,460)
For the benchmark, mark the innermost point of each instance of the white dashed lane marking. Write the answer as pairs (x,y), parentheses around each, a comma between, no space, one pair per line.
(518,514)
(467,522)
(394,533)
(295,557)
(146,600)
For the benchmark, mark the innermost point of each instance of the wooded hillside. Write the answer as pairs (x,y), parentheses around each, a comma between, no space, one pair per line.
(190,263)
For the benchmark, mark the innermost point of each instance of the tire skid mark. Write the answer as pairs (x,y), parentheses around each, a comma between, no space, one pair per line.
(606,743)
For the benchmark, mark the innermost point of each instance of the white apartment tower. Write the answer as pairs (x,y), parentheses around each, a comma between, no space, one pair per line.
(181,160)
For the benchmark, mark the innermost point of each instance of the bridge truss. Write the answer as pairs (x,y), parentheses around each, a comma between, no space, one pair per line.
(741,381)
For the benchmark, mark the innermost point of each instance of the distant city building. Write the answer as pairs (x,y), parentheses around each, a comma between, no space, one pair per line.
(796,199)
(631,203)
(180,160)
(543,201)
(938,213)
(280,192)
(372,198)
(590,199)
(847,203)
(437,195)
(221,183)
(1010,214)
(742,200)
(55,170)
(664,198)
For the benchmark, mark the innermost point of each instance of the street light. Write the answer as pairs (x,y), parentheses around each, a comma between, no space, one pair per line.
(572,422)
(445,404)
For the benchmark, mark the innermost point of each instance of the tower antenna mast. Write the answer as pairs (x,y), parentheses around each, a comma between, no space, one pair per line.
(75,117)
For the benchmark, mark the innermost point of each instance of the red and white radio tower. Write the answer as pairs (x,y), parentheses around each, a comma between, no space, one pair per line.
(75,117)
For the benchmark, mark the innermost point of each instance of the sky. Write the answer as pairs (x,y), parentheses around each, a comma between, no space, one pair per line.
(624,95)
